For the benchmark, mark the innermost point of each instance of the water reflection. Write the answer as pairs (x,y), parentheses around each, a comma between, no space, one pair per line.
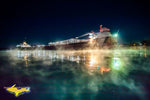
(94,61)
(145,52)
(76,73)
(90,59)
(116,63)
(103,69)
(26,59)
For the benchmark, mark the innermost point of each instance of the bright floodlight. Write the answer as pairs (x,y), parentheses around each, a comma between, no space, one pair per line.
(116,35)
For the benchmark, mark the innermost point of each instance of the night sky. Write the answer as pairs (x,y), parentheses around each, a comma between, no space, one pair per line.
(42,22)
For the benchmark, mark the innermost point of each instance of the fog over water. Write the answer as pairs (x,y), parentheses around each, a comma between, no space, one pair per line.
(78,75)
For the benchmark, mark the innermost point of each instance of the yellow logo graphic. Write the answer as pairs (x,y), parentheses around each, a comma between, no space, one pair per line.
(17,91)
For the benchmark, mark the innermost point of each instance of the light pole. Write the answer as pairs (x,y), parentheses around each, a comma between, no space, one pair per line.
(116,36)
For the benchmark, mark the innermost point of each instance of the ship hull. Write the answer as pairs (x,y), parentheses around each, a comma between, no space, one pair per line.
(107,43)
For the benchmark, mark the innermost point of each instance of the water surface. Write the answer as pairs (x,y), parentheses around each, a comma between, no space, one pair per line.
(76,75)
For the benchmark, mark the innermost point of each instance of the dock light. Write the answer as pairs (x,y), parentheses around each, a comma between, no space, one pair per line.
(116,35)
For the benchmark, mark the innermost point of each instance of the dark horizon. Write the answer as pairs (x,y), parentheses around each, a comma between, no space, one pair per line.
(42,22)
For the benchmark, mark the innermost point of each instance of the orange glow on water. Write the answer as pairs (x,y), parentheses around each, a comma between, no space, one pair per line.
(103,69)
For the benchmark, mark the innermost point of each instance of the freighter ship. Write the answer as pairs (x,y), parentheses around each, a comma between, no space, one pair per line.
(100,40)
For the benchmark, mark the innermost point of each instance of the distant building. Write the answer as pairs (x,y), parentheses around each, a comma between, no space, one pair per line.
(23,45)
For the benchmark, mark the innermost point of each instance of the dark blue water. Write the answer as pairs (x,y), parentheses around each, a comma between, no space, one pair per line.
(76,75)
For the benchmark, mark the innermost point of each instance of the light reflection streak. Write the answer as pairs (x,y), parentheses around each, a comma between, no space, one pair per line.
(145,53)
(90,57)
(92,61)
(103,69)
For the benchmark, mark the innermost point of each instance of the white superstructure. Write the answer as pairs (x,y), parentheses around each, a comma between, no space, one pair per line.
(24,45)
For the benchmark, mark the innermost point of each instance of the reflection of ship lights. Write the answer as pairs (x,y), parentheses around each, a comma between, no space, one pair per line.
(97,67)
(26,60)
(92,61)
(116,63)
(103,69)
(43,53)
(39,54)
(72,58)
(25,57)
(62,55)
(18,54)
(78,58)
(26,53)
